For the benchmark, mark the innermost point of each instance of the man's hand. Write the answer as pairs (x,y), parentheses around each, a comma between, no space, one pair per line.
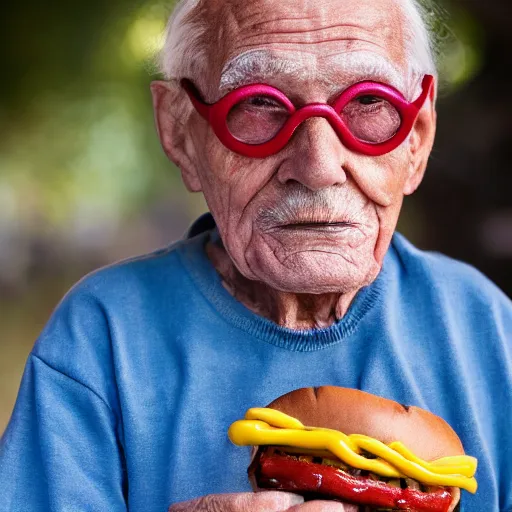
(268,501)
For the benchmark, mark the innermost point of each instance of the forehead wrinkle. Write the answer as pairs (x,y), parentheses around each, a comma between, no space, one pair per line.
(339,71)
(268,16)
(300,22)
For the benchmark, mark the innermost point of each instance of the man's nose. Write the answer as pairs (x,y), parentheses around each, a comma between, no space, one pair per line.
(316,158)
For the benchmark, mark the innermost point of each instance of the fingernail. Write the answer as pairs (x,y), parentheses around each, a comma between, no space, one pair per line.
(296,499)
(283,500)
(291,500)
(337,507)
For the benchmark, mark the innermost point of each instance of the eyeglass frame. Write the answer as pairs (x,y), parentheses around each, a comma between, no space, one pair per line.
(216,114)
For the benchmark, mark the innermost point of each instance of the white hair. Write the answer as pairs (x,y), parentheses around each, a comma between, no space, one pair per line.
(184,53)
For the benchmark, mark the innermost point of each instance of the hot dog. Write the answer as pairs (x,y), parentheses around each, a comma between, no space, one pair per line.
(352,446)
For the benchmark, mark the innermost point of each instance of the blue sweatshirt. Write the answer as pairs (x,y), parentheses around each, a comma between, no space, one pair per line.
(128,393)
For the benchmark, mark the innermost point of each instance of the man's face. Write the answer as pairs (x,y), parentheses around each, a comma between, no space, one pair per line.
(315,217)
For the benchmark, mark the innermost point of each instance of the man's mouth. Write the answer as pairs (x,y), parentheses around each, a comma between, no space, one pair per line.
(322,225)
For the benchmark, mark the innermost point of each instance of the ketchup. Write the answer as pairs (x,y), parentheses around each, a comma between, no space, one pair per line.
(286,473)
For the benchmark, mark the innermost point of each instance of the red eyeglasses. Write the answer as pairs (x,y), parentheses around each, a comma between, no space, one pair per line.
(258,120)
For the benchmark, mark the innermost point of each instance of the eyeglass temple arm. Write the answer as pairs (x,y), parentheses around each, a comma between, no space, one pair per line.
(426,85)
(195,97)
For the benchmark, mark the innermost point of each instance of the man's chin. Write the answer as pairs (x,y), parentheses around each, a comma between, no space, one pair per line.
(315,272)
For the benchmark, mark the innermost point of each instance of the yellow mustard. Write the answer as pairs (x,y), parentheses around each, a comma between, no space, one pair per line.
(264,426)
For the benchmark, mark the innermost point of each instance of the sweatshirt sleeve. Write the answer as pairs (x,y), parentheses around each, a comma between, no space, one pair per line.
(61,450)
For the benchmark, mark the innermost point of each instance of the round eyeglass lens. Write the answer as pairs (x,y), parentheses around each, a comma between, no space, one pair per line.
(257,119)
(371,118)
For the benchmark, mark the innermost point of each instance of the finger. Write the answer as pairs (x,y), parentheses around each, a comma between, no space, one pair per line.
(324,506)
(268,501)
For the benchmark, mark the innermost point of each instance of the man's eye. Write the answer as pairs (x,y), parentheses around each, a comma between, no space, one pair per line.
(262,101)
(368,100)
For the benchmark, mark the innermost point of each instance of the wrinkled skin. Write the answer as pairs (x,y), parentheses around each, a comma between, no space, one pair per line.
(300,278)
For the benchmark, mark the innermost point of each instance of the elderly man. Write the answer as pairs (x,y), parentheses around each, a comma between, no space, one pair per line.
(304,124)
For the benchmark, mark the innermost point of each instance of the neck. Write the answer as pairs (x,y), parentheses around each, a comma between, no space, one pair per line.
(297,311)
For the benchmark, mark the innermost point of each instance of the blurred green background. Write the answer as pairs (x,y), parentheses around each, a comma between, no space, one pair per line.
(83,181)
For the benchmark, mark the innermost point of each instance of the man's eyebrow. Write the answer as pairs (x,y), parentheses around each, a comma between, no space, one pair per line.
(343,70)
(255,63)
(358,66)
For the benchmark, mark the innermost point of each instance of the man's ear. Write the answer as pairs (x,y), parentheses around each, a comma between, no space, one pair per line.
(421,141)
(170,108)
